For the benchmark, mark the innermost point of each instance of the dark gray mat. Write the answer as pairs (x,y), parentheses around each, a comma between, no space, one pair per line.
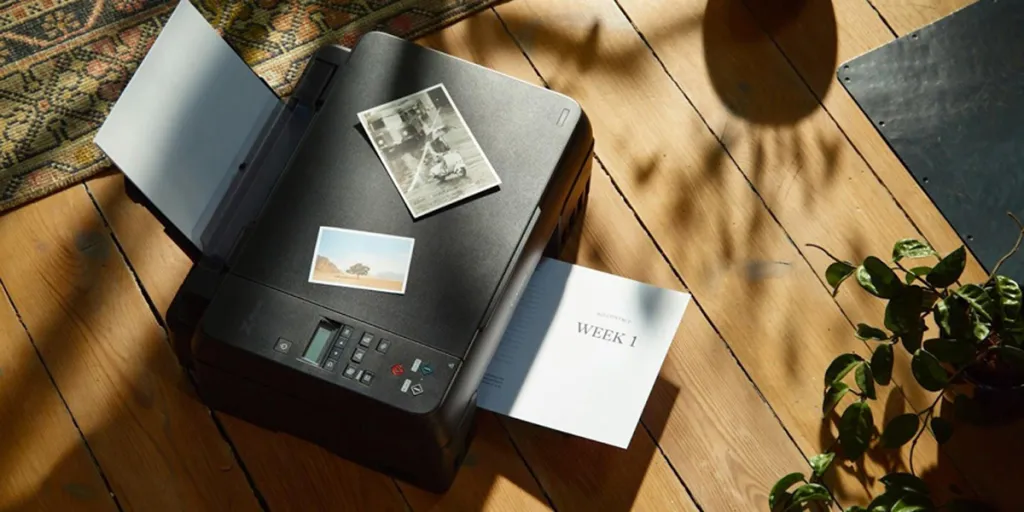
(949,100)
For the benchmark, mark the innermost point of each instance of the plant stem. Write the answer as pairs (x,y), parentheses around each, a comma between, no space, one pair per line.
(924,426)
(918,278)
(822,249)
(1016,247)
(929,412)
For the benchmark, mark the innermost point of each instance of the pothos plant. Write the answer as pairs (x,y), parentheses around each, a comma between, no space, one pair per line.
(980,339)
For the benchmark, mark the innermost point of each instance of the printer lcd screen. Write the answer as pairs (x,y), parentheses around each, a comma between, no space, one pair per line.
(320,341)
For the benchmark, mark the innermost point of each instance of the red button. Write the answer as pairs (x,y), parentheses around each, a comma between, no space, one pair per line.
(397,369)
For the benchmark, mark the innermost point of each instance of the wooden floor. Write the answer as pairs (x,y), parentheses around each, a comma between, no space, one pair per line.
(724,145)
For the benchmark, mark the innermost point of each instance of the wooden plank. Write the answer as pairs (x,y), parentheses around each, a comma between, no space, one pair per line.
(143,240)
(904,16)
(859,31)
(778,126)
(493,477)
(791,151)
(703,407)
(291,474)
(704,414)
(155,443)
(686,189)
(45,464)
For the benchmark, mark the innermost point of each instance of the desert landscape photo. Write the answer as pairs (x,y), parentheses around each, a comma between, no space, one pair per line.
(327,272)
(360,259)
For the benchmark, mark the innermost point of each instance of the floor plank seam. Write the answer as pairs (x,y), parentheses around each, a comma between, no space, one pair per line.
(664,257)
(707,317)
(877,177)
(536,71)
(750,184)
(765,205)
(821,103)
(408,505)
(512,441)
(881,17)
(661,251)
(63,401)
(693,498)
(124,256)
(522,50)
(167,339)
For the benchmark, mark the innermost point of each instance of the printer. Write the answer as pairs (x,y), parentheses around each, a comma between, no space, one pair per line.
(243,181)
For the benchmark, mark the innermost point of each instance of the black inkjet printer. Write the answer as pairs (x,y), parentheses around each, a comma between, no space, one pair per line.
(244,181)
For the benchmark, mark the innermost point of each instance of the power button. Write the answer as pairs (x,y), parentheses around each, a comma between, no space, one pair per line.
(283,345)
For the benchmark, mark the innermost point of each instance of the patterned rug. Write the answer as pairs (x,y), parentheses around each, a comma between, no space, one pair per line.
(63,64)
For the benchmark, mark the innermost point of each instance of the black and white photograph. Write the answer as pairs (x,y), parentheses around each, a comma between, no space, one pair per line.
(428,150)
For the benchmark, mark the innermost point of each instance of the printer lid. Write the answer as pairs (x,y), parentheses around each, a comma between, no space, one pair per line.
(462,252)
(188,118)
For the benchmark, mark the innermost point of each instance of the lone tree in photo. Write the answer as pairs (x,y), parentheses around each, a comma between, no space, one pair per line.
(358,270)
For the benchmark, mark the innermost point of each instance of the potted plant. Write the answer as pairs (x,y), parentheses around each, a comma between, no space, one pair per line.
(974,358)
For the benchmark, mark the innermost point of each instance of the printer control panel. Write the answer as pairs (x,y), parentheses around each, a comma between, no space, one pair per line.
(398,371)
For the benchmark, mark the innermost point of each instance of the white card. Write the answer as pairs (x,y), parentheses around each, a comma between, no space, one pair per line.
(582,352)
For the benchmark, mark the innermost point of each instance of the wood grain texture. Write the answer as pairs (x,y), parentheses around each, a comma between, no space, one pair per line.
(155,443)
(859,31)
(905,16)
(716,231)
(43,460)
(143,240)
(702,400)
(790,149)
(856,29)
(493,477)
(701,403)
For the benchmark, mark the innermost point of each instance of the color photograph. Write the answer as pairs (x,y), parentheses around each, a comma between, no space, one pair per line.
(359,259)
(428,150)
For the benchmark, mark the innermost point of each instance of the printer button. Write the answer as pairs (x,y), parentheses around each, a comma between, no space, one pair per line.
(383,346)
(417,389)
(357,357)
(350,371)
(367,338)
(335,353)
(283,346)
(367,378)
(346,332)
(330,365)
